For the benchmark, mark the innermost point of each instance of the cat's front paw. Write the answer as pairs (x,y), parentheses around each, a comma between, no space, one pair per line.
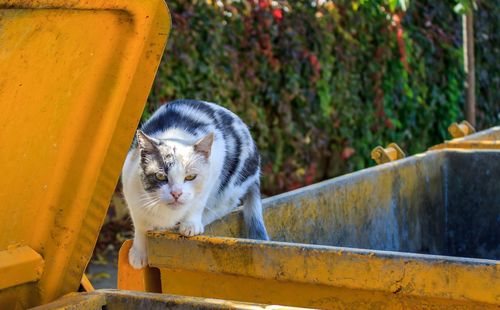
(190,229)
(137,258)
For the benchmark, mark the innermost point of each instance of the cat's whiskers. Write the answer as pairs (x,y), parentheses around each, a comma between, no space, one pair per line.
(145,195)
(151,201)
(146,199)
(149,206)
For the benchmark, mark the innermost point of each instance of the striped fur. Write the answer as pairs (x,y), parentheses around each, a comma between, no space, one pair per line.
(185,138)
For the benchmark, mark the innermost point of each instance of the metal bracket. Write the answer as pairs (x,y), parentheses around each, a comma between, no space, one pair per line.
(390,153)
(147,279)
(461,130)
(86,285)
(19,265)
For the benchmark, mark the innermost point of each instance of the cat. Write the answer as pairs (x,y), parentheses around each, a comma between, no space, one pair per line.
(190,164)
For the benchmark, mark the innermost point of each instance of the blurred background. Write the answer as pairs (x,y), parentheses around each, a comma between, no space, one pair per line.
(320,83)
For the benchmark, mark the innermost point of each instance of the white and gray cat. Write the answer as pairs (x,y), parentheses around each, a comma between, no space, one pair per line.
(192,163)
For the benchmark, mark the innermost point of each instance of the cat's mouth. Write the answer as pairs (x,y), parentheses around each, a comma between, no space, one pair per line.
(175,204)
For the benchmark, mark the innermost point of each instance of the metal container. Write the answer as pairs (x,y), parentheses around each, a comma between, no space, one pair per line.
(486,139)
(118,300)
(418,232)
(74,79)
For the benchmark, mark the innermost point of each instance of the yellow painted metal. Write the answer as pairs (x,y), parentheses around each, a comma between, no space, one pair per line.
(116,299)
(479,145)
(74,78)
(316,276)
(483,140)
(405,206)
(461,130)
(314,212)
(19,265)
(384,155)
(144,280)
(490,134)
(73,301)
(86,285)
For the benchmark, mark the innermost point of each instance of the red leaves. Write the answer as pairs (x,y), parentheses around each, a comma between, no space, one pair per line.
(263,4)
(301,177)
(396,19)
(293,185)
(267,169)
(290,178)
(347,152)
(278,14)
(381,55)
(310,174)
(315,63)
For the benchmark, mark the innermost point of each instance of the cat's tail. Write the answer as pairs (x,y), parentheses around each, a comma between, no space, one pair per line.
(252,214)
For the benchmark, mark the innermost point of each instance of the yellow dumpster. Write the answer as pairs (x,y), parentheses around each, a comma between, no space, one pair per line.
(467,139)
(421,232)
(74,78)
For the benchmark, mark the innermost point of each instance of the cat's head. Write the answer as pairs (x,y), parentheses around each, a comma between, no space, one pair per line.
(174,172)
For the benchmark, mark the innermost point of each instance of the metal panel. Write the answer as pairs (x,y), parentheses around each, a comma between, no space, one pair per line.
(406,234)
(117,300)
(486,139)
(74,78)
(19,265)
(318,276)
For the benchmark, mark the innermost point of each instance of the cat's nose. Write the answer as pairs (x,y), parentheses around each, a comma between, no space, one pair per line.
(176,194)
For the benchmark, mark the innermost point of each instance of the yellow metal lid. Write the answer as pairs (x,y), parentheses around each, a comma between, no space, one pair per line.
(74,78)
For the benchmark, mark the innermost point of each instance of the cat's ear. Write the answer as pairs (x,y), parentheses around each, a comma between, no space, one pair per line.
(204,145)
(145,142)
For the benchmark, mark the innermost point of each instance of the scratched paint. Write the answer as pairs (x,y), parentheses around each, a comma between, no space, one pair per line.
(74,79)
(484,140)
(400,206)
(371,235)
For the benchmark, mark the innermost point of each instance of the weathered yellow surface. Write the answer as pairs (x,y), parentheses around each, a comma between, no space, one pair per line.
(333,211)
(318,276)
(19,265)
(486,139)
(74,78)
(469,144)
(144,280)
(490,134)
(118,299)
(224,286)
(86,285)
(380,216)
(74,301)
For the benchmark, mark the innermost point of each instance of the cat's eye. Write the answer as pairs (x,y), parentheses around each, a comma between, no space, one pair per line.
(190,177)
(160,176)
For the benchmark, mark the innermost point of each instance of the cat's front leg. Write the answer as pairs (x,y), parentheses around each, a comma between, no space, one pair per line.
(192,224)
(137,256)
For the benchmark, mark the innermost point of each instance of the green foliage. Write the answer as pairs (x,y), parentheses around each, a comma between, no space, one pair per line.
(319,83)
(487,54)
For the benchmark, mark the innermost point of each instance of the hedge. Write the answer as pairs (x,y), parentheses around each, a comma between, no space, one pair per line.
(320,83)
